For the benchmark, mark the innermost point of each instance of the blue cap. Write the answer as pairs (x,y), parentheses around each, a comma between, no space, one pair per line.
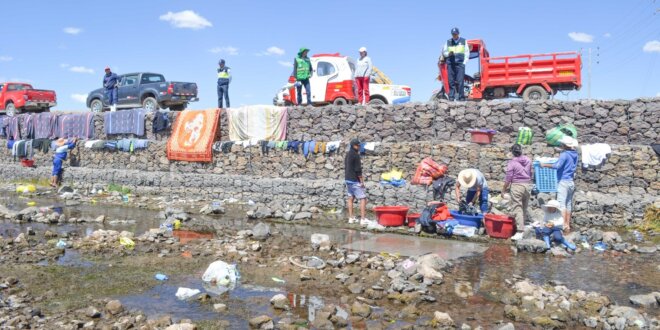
(455,31)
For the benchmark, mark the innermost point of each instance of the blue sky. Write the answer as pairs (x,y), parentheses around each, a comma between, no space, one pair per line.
(64,45)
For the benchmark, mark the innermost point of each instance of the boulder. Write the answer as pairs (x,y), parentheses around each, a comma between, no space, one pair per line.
(320,241)
(262,322)
(280,301)
(114,307)
(646,300)
(212,208)
(531,245)
(360,309)
(442,320)
(611,237)
(261,231)
(429,266)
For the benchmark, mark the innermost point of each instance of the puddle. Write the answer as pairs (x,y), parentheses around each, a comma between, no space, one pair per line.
(70,258)
(412,246)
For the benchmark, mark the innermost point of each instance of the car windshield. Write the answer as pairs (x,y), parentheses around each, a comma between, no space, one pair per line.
(148,78)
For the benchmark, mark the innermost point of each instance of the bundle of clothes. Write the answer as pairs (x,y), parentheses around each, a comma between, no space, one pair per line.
(305,148)
(127,145)
(48,125)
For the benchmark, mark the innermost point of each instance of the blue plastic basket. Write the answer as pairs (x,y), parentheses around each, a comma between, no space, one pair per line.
(546,178)
(467,220)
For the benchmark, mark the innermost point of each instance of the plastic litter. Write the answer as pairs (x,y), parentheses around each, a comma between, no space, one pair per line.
(60,244)
(585,245)
(26,188)
(600,246)
(251,202)
(407,264)
(161,277)
(307,262)
(31,203)
(221,274)
(177,224)
(186,293)
(638,236)
(466,231)
(124,198)
(127,243)
(278,280)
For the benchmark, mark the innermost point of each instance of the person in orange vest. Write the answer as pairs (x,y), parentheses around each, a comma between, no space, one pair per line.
(456,54)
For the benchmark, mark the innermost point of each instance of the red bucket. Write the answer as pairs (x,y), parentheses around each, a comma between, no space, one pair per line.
(27,162)
(391,216)
(499,226)
(412,219)
(482,137)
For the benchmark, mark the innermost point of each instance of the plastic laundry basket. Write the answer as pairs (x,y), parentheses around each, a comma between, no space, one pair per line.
(545,178)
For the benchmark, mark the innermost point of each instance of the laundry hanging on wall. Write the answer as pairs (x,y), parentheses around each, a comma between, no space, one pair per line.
(261,122)
(125,122)
(193,134)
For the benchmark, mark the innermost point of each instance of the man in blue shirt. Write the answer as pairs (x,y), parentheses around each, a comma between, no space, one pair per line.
(566,166)
(111,85)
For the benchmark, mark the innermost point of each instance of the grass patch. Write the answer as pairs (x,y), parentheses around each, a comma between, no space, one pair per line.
(651,219)
(119,188)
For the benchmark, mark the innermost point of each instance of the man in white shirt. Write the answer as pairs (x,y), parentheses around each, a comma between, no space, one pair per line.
(363,73)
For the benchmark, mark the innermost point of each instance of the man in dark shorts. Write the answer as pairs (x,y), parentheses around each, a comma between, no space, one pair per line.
(354,181)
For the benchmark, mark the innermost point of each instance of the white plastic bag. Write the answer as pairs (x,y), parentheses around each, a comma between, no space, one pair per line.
(467,231)
(185,293)
(221,274)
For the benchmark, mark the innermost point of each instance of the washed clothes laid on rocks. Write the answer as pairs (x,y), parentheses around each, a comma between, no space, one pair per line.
(125,122)
(595,155)
(161,122)
(130,145)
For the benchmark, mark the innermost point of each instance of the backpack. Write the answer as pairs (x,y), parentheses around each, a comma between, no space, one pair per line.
(525,135)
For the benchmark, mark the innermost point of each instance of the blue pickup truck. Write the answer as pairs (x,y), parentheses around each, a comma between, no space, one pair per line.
(146,90)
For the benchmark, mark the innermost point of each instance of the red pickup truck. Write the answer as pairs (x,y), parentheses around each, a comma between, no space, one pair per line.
(16,97)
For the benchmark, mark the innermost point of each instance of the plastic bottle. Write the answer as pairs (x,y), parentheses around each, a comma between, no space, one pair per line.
(638,236)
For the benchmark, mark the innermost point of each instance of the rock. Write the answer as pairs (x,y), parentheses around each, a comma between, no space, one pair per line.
(463,289)
(261,231)
(429,266)
(360,309)
(100,219)
(114,307)
(355,288)
(524,288)
(92,312)
(611,237)
(646,249)
(442,320)
(646,300)
(320,241)
(20,239)
(531,245)
(302,215)
(260,212)
(261,322)
(280,301)
(181,326)
(630,314)
(213,208)
(508,326)
(558,251)
(219,307)
(65,189)
(352,258)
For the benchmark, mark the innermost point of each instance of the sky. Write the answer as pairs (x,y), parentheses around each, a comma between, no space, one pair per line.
(64,45)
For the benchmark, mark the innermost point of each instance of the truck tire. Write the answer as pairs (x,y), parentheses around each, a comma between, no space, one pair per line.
(150,104)
(377,101)
(178,107)
(339,101)
(10,109)
(440,95)
(96,105)
(535,93)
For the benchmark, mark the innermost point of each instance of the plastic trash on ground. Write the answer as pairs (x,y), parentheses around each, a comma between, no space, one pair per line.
(466,231)
(31,203)
(186,293)
(221,275)
(26,188)
(278,280)
(60,244)
(600,246)
(161,277)
(177,224)
(127,243)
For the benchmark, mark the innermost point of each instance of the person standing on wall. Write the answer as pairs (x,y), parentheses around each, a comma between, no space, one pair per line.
(224,78)
(363,73)
(111,86)
(456,55)
(302,71)
(354,181)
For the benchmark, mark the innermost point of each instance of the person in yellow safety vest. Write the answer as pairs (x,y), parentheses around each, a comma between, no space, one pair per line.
(224,78)
(302,71)
(456,55)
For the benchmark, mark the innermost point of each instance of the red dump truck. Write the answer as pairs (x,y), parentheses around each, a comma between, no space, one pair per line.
(532,77)
(16,97)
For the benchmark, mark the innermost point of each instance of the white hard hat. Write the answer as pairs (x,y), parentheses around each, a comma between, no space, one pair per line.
(363,49)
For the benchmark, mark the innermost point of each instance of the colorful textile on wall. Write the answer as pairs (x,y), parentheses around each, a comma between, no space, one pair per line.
(125,122)
(261,122)
(193,134)
(45,124)
(78,125)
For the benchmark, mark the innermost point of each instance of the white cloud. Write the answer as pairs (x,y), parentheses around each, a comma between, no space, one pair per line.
(229,50)
(72,30)
(652,46)
(81,69)
(581,37)
(5,58)
(273,50)
(285,64)
(80,98)
(607,35)
(186,19)
(658,95)
(64,65)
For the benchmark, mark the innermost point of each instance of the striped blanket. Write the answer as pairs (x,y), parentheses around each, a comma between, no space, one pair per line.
(78,125)
(125,122)
(193,134)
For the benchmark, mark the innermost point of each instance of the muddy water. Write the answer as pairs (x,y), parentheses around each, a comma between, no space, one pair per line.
(485,267)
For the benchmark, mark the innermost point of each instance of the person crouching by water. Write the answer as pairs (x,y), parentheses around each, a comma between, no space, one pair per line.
(63,147)
(477,187)
(552,226)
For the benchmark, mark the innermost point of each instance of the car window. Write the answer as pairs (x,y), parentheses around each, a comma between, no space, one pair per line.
(148,78)
(129,80)
(325,69)
(16,87)
(1,86)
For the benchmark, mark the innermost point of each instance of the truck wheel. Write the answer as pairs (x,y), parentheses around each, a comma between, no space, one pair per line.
(11,110)
(377,102)
(440,95)
(178,107)
(96,105)
(340,101)
(535,93)
(150,104)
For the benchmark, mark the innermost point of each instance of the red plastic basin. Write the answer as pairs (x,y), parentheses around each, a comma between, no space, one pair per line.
(481,137)
(391,216)
(499,226)
(412,219)
(27,162)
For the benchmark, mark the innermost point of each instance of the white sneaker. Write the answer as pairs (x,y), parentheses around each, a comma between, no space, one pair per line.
(353,220)
(375,226)
(517,236)
(365,222)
